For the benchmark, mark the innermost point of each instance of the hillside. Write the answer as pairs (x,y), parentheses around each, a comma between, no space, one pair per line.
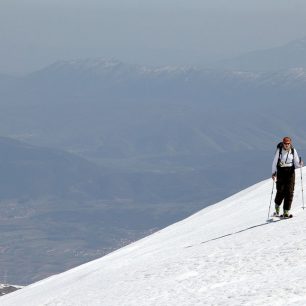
(287,56)
(226,254)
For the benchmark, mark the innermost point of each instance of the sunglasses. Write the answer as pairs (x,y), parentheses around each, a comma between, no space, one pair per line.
(286,143)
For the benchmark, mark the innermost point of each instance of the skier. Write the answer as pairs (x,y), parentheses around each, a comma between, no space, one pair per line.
(286,159)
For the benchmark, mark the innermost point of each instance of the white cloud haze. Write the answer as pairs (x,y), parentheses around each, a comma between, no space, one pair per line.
(35,33)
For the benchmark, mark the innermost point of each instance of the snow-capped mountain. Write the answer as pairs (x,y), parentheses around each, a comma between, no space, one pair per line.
(226,254)
(143,102)
(97,67)
(109,74)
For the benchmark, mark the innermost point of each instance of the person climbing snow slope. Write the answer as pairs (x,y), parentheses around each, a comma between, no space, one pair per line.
(285,161)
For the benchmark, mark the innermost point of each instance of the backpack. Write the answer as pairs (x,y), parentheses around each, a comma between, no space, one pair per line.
(279,148)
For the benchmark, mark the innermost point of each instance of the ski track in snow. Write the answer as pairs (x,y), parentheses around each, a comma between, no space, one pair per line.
(226,254)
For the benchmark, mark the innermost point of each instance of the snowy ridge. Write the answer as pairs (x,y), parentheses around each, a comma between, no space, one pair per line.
(226,254)
(86,64)
(122,72)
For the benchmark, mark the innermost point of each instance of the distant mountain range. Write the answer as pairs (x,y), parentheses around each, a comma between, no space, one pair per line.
(103,109)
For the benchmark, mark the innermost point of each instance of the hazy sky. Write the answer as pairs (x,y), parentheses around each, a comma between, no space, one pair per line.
(35,33)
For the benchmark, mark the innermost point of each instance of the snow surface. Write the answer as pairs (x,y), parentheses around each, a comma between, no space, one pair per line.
(226,254)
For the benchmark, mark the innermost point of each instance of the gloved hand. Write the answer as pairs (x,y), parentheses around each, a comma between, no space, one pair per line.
(301,162)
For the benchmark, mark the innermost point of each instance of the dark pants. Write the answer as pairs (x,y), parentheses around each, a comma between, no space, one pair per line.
(285,187)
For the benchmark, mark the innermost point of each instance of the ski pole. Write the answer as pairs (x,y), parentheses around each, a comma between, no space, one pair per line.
(302,182)
(271,199)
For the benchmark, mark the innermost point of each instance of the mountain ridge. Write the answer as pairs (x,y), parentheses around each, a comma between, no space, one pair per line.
(286,56)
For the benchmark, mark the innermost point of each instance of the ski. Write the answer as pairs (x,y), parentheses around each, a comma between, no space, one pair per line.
(282,216)
(275,215)
(275,218)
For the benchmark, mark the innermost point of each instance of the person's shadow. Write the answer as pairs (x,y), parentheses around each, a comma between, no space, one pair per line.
(235,233)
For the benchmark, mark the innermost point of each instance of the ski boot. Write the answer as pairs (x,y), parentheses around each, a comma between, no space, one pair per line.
(286,214)
(276,213)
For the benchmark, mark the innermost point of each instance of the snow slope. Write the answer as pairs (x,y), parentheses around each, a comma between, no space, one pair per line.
(226,254)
